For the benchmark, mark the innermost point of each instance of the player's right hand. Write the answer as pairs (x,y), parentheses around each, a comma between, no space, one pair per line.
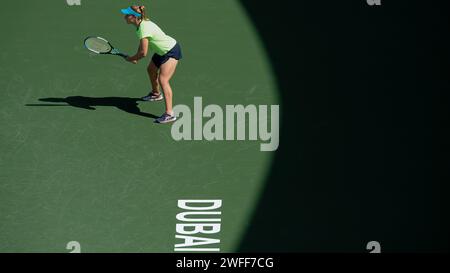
(131,61)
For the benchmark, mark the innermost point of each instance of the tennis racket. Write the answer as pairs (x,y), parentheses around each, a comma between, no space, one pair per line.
(102,46)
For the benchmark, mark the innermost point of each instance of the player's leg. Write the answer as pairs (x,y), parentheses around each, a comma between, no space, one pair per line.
(153,75)
(165,74)
(155,93)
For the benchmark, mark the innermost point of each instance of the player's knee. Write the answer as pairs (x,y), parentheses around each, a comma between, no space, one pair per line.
(164,81)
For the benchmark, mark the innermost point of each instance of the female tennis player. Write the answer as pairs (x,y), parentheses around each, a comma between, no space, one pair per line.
(167,52)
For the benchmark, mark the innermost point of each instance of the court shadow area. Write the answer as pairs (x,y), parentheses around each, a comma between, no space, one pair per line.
(129,105)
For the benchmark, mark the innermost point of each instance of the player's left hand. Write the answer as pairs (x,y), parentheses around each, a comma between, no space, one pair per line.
(131,61)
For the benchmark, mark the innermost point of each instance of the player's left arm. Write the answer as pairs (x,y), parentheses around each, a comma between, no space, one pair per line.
(141,52)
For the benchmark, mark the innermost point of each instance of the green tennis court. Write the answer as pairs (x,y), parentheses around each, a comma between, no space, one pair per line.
(79,162)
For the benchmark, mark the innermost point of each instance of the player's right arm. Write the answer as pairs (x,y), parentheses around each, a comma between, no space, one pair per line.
(141,52)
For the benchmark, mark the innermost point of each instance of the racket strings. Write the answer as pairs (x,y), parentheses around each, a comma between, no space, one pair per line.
(97,45)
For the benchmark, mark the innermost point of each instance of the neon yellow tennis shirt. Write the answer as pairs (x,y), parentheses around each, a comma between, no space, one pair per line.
(160,43)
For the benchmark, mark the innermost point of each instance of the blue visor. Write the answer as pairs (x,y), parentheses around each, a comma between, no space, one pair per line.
(130,11)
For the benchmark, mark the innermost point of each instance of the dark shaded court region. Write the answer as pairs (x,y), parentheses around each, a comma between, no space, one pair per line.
(364,151)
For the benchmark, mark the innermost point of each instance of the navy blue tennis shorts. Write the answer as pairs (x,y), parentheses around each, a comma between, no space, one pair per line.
(175,53)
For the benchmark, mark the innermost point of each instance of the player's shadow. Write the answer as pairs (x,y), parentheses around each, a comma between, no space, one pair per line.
(129,105)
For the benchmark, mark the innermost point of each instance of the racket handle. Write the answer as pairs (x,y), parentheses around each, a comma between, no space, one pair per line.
(123,55)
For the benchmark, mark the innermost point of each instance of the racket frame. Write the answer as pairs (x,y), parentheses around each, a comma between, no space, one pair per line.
(112,51)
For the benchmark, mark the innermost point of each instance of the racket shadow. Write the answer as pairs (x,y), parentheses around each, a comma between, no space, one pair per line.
(129,105)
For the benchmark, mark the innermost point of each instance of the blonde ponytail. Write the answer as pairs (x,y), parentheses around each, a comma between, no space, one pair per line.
(141,11)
